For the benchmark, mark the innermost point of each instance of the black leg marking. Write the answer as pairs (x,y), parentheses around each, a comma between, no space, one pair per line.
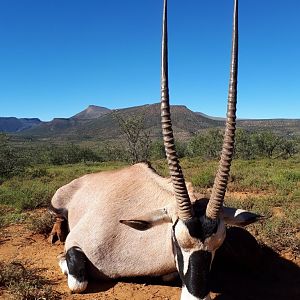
(76,262)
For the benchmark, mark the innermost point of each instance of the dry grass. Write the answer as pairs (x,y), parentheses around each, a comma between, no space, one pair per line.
(24,283)
(42,224)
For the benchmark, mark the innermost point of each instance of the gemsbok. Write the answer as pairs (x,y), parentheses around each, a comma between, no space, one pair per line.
(133,222)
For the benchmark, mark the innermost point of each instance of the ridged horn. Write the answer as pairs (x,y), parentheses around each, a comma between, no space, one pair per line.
(220,184)
(182,197)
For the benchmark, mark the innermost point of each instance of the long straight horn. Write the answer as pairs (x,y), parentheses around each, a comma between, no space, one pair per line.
(217,197)
(180,190)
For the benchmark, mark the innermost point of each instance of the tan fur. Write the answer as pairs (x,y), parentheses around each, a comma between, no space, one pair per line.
(189,243)
(95,203)
(58,231)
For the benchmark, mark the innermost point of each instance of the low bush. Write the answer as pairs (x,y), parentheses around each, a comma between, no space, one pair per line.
(9,215)
(12,161)
(280,228)
(24,283)
(71,154)
(27,194)
(204,179)
(42,225)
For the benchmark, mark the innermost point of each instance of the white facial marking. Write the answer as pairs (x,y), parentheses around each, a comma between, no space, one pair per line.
(63,265)
(186,258)
(188,243)
(213,242)
(185,295)
(185,240)
(75,285)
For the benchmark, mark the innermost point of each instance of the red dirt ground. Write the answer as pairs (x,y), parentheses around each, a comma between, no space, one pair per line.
(277,279)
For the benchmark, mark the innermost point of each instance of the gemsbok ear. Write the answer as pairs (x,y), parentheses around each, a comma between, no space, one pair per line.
(240,217)
(149,220)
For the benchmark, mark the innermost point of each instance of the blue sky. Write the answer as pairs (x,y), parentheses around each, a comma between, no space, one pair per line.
(59,56)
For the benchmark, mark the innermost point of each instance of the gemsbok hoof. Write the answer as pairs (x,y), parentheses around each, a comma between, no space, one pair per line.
(73,265)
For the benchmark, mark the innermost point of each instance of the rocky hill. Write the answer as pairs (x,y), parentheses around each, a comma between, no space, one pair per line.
(91,112)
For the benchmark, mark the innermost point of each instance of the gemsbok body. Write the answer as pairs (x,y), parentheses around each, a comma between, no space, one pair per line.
(133,222)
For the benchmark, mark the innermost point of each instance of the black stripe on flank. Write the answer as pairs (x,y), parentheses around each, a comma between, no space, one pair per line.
(76,262)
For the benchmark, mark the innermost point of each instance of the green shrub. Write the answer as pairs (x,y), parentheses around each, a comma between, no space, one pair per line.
(204,179)
(36,172)
(157,150)
(12,160)
(71,154)
(9,215)
(26,194)
(207,145)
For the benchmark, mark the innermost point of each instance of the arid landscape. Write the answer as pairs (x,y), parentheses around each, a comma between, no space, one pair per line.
(276,277)
(264,179)
(90,144)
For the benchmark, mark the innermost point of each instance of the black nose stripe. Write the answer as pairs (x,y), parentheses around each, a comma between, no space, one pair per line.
(196,279)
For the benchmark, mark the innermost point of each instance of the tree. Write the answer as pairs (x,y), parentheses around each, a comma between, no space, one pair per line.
(207,145)
(136,136)
(111,151)
(71,154)
(244,146)
(157,150)
(266,143)
(288,148)
(11,160)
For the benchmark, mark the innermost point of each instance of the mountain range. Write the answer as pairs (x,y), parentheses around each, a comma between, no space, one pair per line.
(12,124)
(96,122)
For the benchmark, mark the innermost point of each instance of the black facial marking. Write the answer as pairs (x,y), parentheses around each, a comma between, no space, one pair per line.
(76,262)
(179,258)
(196,278)
(202,227)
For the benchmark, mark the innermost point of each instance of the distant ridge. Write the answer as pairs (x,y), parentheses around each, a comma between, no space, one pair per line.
(99,123)
(12,124)
(210,117)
